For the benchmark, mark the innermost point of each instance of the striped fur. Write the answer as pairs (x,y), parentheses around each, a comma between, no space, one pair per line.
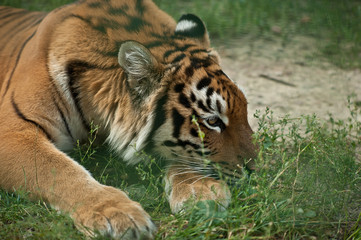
(129,68)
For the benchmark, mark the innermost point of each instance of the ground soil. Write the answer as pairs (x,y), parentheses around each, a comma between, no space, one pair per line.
(289,79)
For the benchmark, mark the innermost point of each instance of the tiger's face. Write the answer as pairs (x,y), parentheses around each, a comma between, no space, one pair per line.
(200,112)
(207,117)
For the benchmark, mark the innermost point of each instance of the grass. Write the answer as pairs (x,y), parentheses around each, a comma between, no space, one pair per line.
(308,183)
(307,186)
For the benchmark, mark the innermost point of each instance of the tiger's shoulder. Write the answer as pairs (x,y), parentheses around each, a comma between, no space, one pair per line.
(44,54)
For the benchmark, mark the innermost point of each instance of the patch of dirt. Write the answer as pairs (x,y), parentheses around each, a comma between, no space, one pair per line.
(288,79)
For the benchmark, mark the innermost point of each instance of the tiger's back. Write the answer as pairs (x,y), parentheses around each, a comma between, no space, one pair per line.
(16,28)
(42,46)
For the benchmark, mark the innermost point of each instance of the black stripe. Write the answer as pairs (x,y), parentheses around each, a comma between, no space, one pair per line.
(179,87)
(232,105)
(209,103)
(210,91)
(193,97)
(140,7)
(37,20)
(19,28)
(22,116)
(178,58)
(204,82)
(135,24)
(17,62)
(95,5)
(25,19)
(170,144)
(198,51)
(194,133)
(13,54)
(12,16)
(184,100)
(19,21)
(186,143)
(210,75)
(176,70)
(201,106)
(3,9)
(178,121)
(74,70)
(199,153)
(118,11)
(154,44)
(219,106)
(228,99)
(189,71)
(158,121)
(185,47)
(195,114)
(202,154)
(111,54)
(181,143)
(101,28)
(218,73)
(65,123)
(207,62)
(168,53)
(60,96)
(102,23)
(198,62)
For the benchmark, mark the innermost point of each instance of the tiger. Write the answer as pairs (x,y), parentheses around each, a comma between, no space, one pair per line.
(151,84)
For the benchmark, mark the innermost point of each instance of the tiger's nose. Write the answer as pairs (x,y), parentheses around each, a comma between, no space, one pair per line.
(248,163)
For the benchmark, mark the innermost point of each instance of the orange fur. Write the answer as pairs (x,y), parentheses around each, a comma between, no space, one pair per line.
(132,70)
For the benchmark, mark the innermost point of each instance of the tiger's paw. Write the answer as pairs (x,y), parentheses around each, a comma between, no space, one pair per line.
(181,193)
(113,214)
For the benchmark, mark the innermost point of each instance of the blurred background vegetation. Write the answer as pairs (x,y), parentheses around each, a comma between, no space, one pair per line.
(336,24)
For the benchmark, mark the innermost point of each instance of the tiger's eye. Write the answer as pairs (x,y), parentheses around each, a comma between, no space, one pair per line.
(212,121)
(216,122)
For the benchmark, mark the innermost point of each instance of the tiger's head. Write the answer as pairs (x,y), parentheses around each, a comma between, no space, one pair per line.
(199,112)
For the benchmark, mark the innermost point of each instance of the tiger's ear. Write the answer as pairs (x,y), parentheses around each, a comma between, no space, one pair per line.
(191,26)
(141,67)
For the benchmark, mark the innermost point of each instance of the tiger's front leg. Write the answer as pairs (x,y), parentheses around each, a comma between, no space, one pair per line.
(184,184)
(28,160)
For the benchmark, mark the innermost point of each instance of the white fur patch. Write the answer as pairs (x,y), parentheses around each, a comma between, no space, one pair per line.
(61,80)
(202,95)
(120,136)
(138,143)
(185,25)
(57,72)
